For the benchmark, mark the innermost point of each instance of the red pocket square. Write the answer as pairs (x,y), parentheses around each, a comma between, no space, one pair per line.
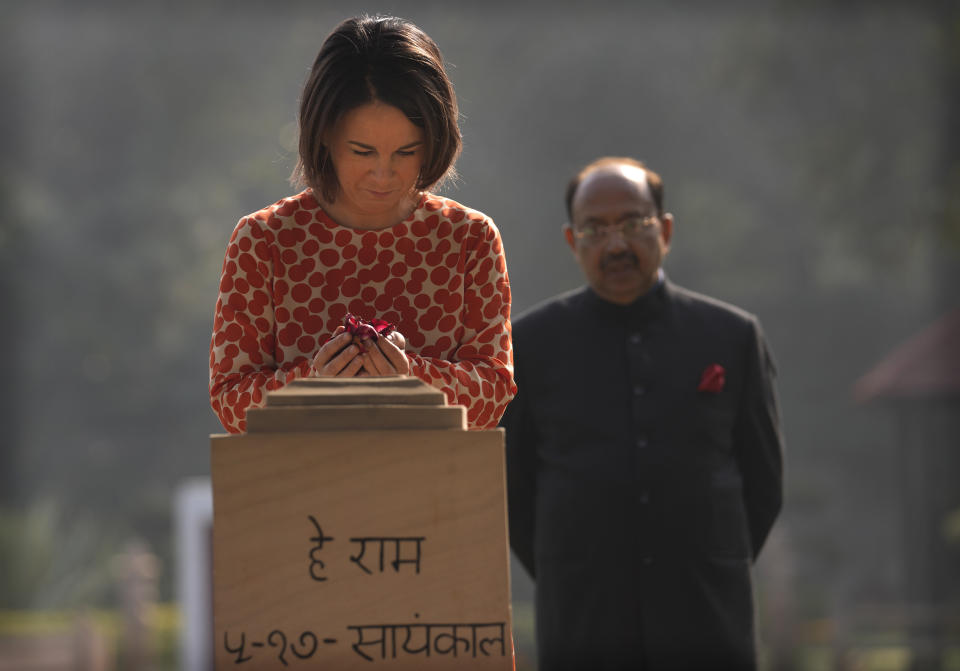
(713,379)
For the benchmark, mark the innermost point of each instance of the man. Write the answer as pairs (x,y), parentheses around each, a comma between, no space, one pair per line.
(644,455)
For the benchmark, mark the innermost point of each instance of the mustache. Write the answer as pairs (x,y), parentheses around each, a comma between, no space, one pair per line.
(618,258)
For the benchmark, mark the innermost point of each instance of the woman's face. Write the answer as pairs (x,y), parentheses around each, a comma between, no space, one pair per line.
(377,154)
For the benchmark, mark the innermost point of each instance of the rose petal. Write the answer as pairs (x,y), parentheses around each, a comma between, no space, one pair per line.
(371,330)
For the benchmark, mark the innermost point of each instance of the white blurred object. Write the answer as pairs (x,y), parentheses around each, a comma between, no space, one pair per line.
(193,526)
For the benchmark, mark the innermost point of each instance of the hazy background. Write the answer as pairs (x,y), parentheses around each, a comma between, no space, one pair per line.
(810,157)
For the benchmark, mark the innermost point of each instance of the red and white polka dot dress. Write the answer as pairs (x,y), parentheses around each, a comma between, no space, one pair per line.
(291,274)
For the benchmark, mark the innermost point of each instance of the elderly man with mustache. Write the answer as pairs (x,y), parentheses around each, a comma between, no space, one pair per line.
(644,451)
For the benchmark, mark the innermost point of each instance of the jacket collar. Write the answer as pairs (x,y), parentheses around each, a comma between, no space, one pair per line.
(643,309)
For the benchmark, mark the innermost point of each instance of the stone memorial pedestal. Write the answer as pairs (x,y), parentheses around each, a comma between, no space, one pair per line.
(359,525)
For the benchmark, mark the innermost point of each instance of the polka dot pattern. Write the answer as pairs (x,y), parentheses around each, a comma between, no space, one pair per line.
(290,275)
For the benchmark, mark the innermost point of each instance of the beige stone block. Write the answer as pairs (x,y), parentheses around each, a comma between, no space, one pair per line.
(360,548)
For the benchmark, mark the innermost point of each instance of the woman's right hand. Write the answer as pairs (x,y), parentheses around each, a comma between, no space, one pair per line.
(338,357)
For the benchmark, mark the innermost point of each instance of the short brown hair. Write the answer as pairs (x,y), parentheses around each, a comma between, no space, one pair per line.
(385,59)
(653,180)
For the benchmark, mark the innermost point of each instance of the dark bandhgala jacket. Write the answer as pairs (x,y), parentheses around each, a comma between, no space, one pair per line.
(637,500)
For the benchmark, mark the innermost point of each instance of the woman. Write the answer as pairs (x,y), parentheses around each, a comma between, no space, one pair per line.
(378,129)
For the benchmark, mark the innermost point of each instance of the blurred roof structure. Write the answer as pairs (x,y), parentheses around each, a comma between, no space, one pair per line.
(926,365)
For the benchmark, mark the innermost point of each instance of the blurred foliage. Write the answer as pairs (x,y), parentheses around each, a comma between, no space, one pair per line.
(164,621)
(49,559)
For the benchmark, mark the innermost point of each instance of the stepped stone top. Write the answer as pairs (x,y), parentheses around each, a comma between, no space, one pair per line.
(340,404)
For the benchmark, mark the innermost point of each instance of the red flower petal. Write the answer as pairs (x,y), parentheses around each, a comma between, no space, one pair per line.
(381,326)
(367,330)
(351,323)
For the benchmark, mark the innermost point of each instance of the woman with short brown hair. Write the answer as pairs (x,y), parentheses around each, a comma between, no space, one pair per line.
(367,241)
(389,60)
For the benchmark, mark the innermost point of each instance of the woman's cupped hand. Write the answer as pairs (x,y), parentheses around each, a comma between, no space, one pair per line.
(349,355)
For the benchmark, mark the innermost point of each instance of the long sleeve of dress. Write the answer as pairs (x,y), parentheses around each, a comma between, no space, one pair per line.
(290,275)
(479,373)
(243,352)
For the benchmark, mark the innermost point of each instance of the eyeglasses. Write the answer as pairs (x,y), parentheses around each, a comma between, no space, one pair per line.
(628,227)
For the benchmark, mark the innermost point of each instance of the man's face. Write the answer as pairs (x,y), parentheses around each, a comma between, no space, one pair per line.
(616,235)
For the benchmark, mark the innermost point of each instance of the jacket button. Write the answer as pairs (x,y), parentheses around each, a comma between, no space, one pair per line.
(647,560)
(639,390)
(635,339)
(642,442)
(644,498)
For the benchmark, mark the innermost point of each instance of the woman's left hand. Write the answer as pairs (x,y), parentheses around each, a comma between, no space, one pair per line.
(385,356)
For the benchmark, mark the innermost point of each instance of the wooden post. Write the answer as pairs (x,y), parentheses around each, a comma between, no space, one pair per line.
(358,525)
